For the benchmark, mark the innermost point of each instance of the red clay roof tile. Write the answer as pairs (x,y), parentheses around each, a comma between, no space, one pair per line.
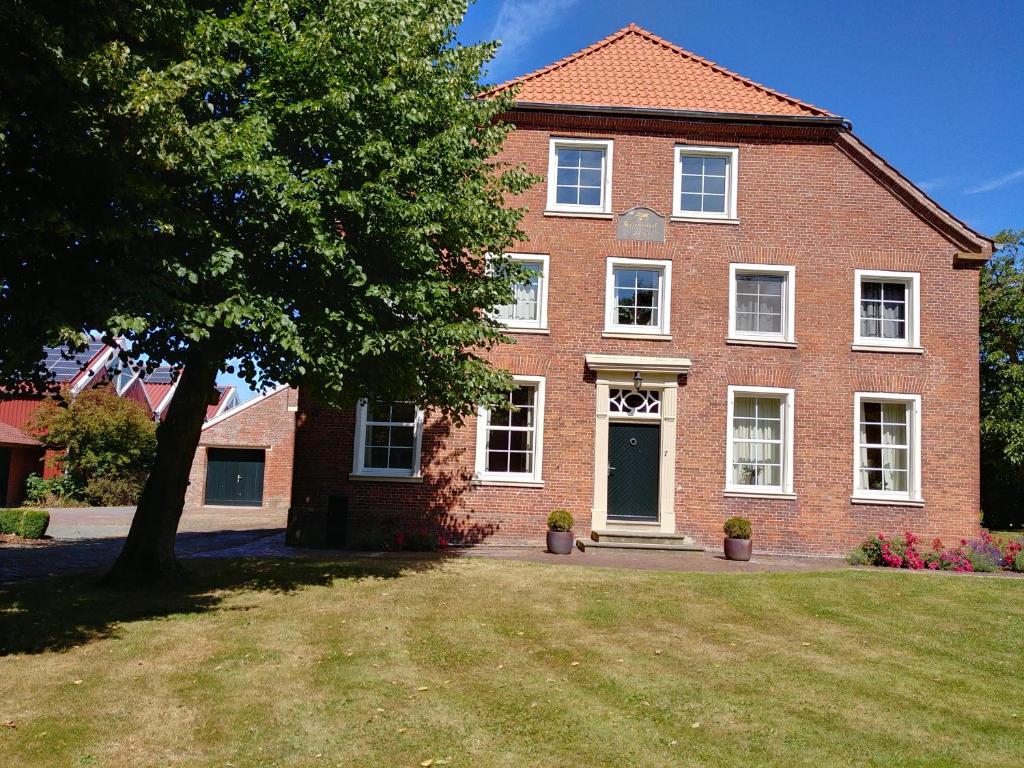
(636,68)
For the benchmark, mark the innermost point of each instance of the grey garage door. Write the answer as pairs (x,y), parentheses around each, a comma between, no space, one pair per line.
(234,476)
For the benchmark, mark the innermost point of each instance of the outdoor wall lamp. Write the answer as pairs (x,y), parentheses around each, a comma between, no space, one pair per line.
(637,380)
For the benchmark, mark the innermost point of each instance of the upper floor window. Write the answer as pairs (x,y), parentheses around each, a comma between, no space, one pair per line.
(580,176)
(529,307)
(887,460)
(761,303)
(509,440)
(388,438)
(759,451)
(705,182)
(887,309)
(638,296)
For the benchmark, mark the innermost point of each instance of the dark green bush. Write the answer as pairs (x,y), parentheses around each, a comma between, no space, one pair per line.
(34,523)
(1018,562)
(10,520)
(737,528)
(560,520)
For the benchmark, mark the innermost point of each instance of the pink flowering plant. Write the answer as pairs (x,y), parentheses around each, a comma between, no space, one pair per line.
(986,553)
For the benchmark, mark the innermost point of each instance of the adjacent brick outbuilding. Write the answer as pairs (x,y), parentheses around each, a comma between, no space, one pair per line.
(253,442)
(813,210)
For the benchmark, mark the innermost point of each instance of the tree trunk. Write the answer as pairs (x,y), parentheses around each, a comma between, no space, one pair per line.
(148,557)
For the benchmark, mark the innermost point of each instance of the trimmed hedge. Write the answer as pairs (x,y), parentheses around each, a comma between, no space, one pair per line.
(560,520)
(28,523)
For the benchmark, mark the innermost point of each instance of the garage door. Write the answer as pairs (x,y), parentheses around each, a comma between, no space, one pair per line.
(234,476)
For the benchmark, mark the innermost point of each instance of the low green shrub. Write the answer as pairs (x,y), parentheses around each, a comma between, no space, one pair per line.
(59,491)
(560,520)
(981,561)
(28,523)
(1017,564)
(10,520)
(34,523)
(859,556)
(737,528)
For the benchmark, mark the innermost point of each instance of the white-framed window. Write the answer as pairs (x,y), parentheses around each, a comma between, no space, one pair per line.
(887,446)
(529,308)
(638,296)
(886,309)
(762,305)
(388,439)
(509,442)
(759,447)
(705,182)
(580,175)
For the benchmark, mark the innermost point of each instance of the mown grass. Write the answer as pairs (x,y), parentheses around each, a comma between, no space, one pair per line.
(474,662)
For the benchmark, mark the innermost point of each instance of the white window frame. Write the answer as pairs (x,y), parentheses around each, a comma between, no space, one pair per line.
(732,158)
(788,398)
(541,323)
(912,342)
(359,456)
(481,475)
(788,334)
(663,329)
(556,143)
(913,493)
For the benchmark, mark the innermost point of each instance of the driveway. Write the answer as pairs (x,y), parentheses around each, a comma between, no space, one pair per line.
(89,538)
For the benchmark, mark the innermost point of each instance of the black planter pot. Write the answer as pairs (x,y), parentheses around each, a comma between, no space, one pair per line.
(560,542)
(738,549)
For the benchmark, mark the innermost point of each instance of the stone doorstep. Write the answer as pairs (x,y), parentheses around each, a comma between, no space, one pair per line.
(640,540)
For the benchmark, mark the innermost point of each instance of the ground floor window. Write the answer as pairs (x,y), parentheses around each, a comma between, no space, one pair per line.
(509,439)
(887,451)
(760,440)
(388,438)
(234,476)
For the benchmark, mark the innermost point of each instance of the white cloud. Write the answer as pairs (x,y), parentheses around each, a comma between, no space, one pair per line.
(931,185)
(519,21)
(996,183)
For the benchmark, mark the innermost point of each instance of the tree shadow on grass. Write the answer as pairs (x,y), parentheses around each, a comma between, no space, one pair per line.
(60,613)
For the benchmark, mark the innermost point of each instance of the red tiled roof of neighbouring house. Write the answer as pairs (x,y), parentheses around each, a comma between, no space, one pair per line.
(10,435)
(635,68)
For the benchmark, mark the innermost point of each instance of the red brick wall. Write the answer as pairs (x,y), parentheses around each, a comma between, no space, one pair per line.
(801,202)
(268,424)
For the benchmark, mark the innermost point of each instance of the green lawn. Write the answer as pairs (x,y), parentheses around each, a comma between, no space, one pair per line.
(474,662)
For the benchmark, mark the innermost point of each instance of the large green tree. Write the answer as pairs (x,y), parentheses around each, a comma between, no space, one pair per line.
(1002,382)
(308,186)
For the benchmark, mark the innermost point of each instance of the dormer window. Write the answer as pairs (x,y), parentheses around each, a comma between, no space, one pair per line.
(705,183)
(580,176)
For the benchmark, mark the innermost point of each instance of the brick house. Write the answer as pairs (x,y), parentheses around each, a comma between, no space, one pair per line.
(737,308)
(245,454)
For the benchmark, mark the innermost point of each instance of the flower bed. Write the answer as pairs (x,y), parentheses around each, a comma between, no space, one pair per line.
(985,554)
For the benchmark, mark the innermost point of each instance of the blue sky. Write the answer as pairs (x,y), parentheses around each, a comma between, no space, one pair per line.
(936,87)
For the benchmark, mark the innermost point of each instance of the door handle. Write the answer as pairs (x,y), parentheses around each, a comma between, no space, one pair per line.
(610,469)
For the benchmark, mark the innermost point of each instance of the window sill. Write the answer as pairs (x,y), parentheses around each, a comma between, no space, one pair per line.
(640,336)
(887,348)
(579,214)
(733,493)
(484,481)
(740,342)
(704,220)
(535,331)
(363,478)
(887,502)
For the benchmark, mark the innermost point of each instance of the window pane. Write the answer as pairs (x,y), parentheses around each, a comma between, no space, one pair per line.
(590,196)
(714,166)
(568,177)
(694,165)
(691,202)
(568,157)
(400,458)
(567,195)
(714,203)
(376,458)
(591,158)
(402,436)
(871,290)
(498,439)
(497,462)
(590,178)
(692,184)
(714,184)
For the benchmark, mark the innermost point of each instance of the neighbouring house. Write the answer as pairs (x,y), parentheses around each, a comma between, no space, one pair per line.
(245,453)
(20,453)
(736,308)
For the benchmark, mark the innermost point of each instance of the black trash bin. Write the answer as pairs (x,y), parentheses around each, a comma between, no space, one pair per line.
(336,535)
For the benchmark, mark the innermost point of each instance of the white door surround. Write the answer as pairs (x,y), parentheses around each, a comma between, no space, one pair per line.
(660,374)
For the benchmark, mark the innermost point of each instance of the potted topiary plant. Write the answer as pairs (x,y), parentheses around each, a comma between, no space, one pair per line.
(560,536)
(737,538)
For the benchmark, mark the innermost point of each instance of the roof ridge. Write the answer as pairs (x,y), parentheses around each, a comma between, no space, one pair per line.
(723,70)
(635,29)
(592,48)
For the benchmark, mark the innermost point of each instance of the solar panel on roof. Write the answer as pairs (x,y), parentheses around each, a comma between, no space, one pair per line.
(162,375)
(63,365)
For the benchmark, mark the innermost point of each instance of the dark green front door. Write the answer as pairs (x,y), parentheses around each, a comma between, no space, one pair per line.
(234,477)
(633,469)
